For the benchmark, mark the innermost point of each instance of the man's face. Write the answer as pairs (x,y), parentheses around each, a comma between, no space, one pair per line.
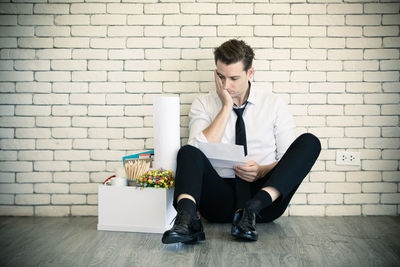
(234,78)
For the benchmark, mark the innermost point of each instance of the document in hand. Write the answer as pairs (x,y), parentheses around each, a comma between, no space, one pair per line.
(223,155)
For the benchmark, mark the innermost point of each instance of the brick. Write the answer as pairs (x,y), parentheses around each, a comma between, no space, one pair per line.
(33,87)
(145,20)
(391,42)
(32,199)
(144,42)
(16,76)
(142,65)
(345,99)
(35,42)
(51,211)
(308,76)
(383,165)
(326,20)
(84,211)
(6,200)
(390,198)
(70,87)
(361,198)
(199,8)
(85,166)
(162,54)
(308,54)
(381,8)
(361,65)
(308,9)
(88,76)
(16,122)
(363,176)
(390,19)
(100,31)
(198,31)
(68,199)
(53,76)
(89,122)
(126,54)
(218,20)
(16,99)
(69,110)
(125,76)
(106,87)
(311,188)
(379,210)
(52,31)
(381,54)
(16,188)
(391,176)
(345,143)
(6,110)
(132,144)
(16,8)
(381,76)
(327,87)
(363,20)
(235,30)
(90,144)
(162,8)
(390,65)
(381,143)
(271,8)
(53,144)
(53,54)
(8,155)
(105,133)
(381,99)
(106,155)
(69,132)
(16,211)
(148,87)
(363,132)
(8,42)
(181,19)
(106,110)
(125,122)
(363,87)
(16,31)
(68,65)
(32,133)
(348,54)
(390,131)
(308,31)
(50,99)
(108,20)
(343,187)
(139,110)
(34,177)
(345,8)
(125,30)
(325,198)
(363,42)
(105,65)
(324,65)
(345,31)
(87,8)
(306,210)
(71,155)
(326,110)
(254,20)
(17,54)
(51,9)
(290,20)
(352,76)
(89,54)
(87,99)
(391,154)
(32,64)
(53,121)
(380,121)
(138,132)
(74,42)
(327,176)
(381,31)
(310,121)
(35,20)
(72,20)
(71,177)
(343,210)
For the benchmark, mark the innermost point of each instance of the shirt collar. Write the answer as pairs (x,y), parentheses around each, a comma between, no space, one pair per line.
(252,95)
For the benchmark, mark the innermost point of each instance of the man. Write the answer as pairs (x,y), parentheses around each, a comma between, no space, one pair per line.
(238,113)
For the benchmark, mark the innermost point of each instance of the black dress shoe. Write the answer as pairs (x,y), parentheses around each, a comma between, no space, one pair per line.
(186,229)
(244,225)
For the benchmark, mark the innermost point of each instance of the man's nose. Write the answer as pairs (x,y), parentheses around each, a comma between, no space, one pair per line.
(226,84)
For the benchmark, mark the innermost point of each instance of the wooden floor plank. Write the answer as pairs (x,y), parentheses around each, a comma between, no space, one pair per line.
(289,241)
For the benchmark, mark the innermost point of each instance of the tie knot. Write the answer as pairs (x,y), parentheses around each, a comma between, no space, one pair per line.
(239,111)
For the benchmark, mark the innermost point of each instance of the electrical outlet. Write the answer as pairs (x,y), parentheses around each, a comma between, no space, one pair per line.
(348,158)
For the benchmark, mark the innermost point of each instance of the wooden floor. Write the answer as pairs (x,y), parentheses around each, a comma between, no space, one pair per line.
(289,241)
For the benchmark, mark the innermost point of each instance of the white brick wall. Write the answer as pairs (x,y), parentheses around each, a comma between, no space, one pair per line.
(77,81)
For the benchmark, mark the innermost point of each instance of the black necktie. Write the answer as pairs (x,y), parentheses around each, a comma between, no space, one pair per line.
(240,134)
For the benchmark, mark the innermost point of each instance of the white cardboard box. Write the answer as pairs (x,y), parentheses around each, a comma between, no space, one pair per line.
(131,209)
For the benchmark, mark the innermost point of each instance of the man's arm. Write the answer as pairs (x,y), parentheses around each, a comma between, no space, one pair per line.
(215,131)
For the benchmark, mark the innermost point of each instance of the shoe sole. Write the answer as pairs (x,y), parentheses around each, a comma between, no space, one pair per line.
(245,237)
(187,239)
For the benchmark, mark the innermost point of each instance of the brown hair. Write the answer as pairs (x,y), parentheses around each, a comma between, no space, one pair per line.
(233,51)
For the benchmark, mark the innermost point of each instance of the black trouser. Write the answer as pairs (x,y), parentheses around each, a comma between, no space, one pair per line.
(216,197)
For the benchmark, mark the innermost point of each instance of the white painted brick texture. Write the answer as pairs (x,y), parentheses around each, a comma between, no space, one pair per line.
(77,81)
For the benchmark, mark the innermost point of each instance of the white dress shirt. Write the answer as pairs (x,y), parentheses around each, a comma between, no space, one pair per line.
(268,120)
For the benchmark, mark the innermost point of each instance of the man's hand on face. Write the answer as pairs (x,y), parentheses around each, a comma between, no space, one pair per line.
(223,94)
(248,172)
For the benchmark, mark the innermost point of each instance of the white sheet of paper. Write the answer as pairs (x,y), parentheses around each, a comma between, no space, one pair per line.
(223,155)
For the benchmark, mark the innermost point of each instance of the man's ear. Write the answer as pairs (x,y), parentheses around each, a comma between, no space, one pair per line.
(250,73)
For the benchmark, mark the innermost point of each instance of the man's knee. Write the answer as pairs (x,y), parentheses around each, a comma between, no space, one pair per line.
(188,151)
(310,141)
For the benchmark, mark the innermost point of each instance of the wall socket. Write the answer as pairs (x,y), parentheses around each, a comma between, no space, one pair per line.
(348,158)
